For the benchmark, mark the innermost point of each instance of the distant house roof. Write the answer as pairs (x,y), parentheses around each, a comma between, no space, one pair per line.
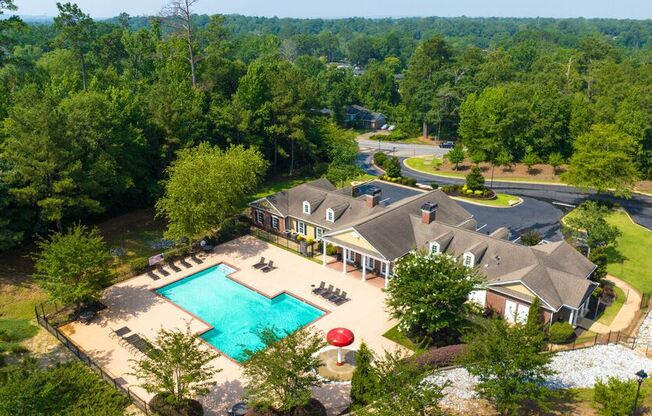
(364,114)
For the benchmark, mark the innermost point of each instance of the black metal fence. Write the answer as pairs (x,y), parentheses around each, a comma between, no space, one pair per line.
(44,321)
(302,247)
(618,338)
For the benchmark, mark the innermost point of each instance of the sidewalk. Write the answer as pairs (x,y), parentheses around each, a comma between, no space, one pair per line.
(627,312)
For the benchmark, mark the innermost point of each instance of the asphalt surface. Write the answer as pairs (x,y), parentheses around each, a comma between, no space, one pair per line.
(542,208)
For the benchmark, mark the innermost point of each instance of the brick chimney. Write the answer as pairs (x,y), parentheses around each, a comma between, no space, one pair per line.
(428,212)
(372,196)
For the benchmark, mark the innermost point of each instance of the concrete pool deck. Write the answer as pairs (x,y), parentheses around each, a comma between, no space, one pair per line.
(133,303)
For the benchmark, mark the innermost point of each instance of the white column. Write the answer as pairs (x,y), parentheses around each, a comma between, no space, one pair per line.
(344,257)
(323,262)
(386,274)
(571,319)
(364,267)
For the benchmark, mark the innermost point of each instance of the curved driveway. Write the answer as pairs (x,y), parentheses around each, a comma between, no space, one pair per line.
(543,205)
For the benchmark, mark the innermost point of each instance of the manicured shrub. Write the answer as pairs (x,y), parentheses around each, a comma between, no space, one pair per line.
(393,167)
(435,185)
(531,238)
(440,357)
(469,191)
(475,180)
(380,159)
(479,192)
(412,182)
(161,406)
(331,250)
(138,265)
(560,333)
(615,396)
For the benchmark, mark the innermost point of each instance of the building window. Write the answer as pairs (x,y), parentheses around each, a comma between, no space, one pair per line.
(383,268)
(371,263)
(468,259)
(330,215)
(275,223)
(306,207)
(260,218)
(350,256)
(434,247)
(301,227)
(318,233)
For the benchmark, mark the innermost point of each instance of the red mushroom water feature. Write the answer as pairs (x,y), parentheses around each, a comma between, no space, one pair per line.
(340,337)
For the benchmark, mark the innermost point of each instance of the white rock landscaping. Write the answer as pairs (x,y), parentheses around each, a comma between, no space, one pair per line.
(575,369)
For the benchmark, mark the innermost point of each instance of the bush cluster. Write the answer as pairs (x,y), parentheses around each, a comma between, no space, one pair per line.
(395,136)
(401,179)
(561,332)
(440,357)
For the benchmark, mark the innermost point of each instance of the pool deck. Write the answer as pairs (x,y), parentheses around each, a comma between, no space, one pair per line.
(133,303)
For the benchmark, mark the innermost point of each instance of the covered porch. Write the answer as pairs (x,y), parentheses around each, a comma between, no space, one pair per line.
(358,264)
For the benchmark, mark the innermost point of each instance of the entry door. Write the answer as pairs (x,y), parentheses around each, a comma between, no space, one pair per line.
(350,256)
(510,310)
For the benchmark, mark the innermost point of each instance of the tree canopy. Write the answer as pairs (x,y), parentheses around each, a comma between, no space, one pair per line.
(206,186)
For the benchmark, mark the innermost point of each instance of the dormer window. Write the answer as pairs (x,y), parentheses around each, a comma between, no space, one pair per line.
(468,259)
(330,215)
(435,248)
(306,207)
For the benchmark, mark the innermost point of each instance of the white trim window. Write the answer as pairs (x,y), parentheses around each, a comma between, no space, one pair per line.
(330,215)
(318,233)
(260,218)
(350,256)
(275,222)
(383,268)
(434,247)
(468,259)
(301,227)
(306,207)
(371,263)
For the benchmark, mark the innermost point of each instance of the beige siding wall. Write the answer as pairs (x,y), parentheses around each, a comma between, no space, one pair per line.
(353,240)
(518,287)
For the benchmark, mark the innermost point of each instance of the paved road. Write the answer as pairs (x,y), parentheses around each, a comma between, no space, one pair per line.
(398,149)
(543,205)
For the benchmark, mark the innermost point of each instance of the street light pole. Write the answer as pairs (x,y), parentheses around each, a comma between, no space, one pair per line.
(640,376)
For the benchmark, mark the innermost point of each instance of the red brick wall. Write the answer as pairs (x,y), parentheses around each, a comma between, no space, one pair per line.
(267,221)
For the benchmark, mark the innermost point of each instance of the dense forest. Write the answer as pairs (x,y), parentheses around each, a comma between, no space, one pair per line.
(94,111)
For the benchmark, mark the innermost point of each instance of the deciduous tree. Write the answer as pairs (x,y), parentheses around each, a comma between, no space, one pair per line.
(603,159)
(456,155)
(207,185)
(177,367)
(73,267)
(281,375)
(509,365)
(428,294)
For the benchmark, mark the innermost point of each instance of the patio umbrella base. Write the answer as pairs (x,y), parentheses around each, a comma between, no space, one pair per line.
(331,370)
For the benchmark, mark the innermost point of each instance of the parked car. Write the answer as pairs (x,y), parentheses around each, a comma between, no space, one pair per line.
(384,127)
(447,145)
(391,128)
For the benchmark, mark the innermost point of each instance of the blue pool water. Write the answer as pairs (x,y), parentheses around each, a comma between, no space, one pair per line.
(236,312)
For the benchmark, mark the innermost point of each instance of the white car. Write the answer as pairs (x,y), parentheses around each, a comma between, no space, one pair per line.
(384,127)
(391,128)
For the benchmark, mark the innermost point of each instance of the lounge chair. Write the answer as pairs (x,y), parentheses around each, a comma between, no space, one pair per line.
(120,332)
(161,270)
(321,288)
(327,292)
(268,267)
(173,266)
(185,263)
(261,263)
(152,275)
(138,343)
(196,259)
(340,299)
(332,295)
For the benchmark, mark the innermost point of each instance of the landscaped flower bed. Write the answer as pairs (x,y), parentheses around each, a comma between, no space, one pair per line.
(463,190)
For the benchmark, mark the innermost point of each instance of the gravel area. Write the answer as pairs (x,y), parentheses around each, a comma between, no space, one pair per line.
(645,331)
(578,368)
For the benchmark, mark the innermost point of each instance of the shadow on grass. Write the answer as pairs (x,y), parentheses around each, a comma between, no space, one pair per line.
(613,255)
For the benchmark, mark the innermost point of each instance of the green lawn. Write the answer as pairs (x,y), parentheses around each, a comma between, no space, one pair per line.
(427,164)
(17,321)
(502,200)
(277,185)
(634,246)
(394,335)
(610,313)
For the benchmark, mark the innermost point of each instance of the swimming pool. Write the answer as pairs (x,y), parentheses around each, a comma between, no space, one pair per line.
(236,312)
